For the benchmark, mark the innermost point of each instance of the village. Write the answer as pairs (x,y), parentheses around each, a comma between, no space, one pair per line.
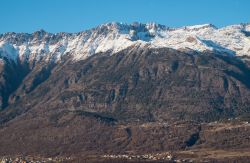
(153,157)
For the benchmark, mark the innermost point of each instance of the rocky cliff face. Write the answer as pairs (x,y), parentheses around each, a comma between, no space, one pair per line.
(138,83)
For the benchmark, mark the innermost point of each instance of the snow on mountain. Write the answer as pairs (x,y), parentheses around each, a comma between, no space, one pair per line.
(234,40)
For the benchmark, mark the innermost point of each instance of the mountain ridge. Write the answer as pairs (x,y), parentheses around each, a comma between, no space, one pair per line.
(41,45)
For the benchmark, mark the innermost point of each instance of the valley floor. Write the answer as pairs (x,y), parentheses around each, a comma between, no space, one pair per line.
(225,141)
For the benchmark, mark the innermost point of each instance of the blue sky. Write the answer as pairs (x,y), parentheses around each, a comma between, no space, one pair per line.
(78,15)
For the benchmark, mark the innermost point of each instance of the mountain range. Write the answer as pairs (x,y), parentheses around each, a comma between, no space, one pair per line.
(126,89)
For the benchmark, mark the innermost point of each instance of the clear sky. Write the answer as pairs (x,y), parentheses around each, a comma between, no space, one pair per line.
(78,15)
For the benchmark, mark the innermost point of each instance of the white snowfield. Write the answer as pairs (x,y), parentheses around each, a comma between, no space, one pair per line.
(113,37)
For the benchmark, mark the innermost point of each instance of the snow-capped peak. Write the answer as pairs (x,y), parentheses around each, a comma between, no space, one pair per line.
(202,26)
(234,39)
